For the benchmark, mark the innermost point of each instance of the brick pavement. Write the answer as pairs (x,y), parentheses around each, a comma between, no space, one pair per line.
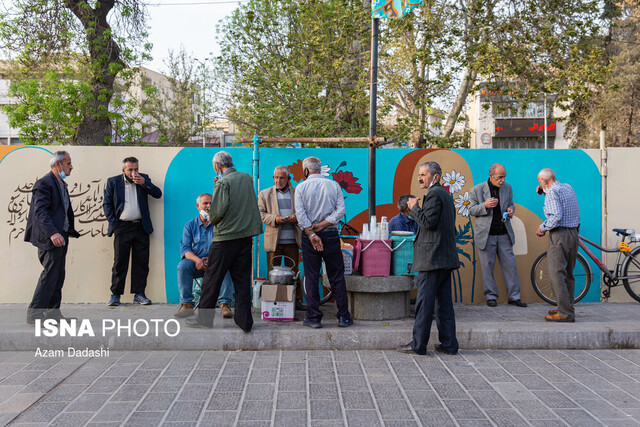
(320,388)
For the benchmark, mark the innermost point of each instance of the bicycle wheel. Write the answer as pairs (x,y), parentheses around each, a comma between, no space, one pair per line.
(323,288)
(542,284)
(631,267)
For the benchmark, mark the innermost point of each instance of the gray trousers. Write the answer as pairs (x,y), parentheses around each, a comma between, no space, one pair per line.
(502,247)
(561,258)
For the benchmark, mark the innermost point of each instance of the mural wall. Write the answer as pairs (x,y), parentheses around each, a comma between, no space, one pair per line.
(184,173)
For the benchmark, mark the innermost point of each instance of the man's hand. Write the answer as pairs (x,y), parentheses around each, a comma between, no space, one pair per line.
(57,240)
(320,226)
(510,212)
(280,220)
(540,232)
(138,179)
(205,261)
(200,264)
(316,241)
(292,219)
(490,203)
(411,202)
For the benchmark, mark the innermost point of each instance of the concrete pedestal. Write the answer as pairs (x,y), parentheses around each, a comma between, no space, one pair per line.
(379,298)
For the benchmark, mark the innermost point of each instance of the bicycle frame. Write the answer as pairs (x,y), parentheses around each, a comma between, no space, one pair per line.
(613,276)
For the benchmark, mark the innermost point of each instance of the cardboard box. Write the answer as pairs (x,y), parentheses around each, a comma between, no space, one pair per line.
(278,302)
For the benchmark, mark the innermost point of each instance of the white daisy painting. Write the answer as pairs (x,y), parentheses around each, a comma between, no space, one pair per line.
(454,180)
(325,170)
(462,204)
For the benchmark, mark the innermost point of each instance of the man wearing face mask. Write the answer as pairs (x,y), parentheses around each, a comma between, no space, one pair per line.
(194,247)
(49,225)
(235,218)
(435,256)
(403,221)
(278,213)
(126,208)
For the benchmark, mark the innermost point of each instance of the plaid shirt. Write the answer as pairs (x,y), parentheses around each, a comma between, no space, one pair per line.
(560,207)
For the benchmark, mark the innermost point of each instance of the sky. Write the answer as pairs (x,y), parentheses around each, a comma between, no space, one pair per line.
(188,23)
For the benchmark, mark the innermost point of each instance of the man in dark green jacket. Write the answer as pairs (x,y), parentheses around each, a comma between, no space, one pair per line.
(236,219)
(435,256)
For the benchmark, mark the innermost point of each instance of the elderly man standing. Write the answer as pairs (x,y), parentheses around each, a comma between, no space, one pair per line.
(435,256)
(319,207)
(194,247)
(49,225)
(403,221)
(490,201)
(235,218)
(126,208)
(278,213)
(563,219)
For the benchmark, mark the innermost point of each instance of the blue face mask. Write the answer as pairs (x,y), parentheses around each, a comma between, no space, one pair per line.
(204,214)
(61,174)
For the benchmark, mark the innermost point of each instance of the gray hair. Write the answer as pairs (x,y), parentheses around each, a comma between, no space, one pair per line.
(433,168)
(547,174)
(201,196)
(493,168)
(402,201)
(58,156)
(312,163)
(223,159)
(283,169)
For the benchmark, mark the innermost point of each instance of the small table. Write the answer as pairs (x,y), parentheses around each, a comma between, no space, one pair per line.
(379,298)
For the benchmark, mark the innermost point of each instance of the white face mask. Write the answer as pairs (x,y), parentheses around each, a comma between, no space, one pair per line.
(434,182)
(204,214)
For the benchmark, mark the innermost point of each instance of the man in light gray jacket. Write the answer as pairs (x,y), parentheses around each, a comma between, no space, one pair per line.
(492,205)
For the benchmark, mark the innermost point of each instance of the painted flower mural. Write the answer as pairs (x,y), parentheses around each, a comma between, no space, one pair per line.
(454,180)
(462,204)
(347,181)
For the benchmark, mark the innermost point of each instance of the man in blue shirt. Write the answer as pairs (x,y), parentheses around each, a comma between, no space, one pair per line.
(402,221)
(194,247)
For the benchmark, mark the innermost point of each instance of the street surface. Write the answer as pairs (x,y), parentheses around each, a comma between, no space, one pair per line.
(297,388)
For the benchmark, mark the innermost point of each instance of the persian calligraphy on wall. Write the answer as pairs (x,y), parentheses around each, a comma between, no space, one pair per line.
(86,200)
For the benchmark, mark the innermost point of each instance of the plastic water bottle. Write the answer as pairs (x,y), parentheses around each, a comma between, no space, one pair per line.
(257,284)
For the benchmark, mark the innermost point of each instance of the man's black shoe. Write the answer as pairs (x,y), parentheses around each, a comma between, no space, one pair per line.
(343,322)
(314,325)
(518,303)
(193,323)
(409,350)
(441,349)
(492,303)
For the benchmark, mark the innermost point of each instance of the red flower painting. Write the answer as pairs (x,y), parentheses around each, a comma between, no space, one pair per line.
(347,181)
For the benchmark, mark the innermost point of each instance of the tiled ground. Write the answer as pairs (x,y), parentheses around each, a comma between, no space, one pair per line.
(295,388)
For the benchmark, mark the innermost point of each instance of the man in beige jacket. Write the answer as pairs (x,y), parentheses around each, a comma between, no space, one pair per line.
(277,210)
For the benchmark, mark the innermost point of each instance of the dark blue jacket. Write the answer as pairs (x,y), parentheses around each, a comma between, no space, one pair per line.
(46,213)
(114,201)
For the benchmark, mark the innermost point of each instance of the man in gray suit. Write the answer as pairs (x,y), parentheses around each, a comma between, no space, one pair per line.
(435,256)
(492,205)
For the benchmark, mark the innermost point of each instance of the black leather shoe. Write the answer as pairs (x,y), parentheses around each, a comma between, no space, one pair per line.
(193,323)
(492,303)
(406,349)
(344,323)
(441,349)
(518,303)
(311,324)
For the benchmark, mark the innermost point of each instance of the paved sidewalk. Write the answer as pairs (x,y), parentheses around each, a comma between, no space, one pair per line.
(598,326)
(324,388)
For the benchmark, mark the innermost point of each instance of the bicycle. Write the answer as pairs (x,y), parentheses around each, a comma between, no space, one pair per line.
(627,269)
(324,286)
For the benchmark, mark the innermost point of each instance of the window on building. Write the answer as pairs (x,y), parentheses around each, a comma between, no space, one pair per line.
(522,142)
(4,141)
(16,141)
(516,110)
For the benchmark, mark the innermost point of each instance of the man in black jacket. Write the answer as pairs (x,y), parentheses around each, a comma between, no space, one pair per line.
(435,256)
(49,226)
(126,207)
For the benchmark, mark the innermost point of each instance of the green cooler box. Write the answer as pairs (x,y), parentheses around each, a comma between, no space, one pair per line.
(402,257)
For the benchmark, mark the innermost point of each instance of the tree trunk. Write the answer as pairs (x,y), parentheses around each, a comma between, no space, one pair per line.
(468,80)
(95,128)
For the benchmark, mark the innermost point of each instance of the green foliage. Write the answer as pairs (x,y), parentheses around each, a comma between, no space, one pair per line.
(291,68)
